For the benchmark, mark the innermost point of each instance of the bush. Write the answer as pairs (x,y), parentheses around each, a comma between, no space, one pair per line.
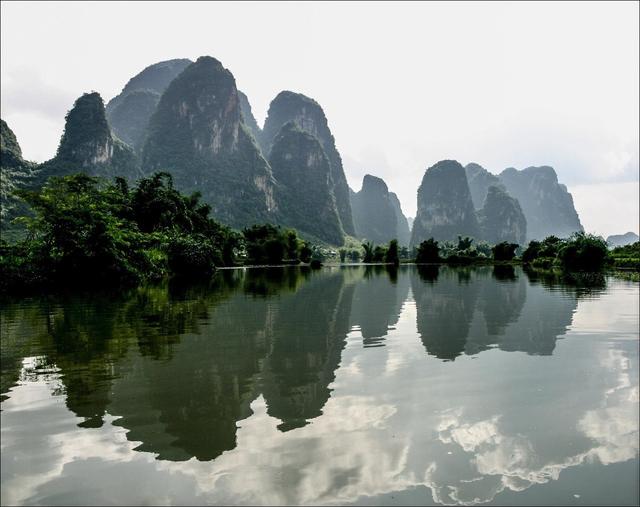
(428,251)
(580,252)
(626,263)
(87,231)
(504,251)
(543,262)
(379,253)
(269,244)
(583,252)
(305,252)
(192,255)
(531,252)
(354,256)
(367,246)
(391,255)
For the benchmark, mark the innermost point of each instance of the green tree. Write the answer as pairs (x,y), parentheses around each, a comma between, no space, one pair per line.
(305,252)
(391,255)
(428,251)
(354,255)
(504,251)
(266,244)
(293,244)
(464,244)
(583,252)
(379,253)
(367,246)
(531,252)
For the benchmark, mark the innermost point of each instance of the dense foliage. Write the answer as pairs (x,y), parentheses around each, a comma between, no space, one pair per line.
(627,256)
(270,244)
(85,231)
(392,255)
(504,251)
(428,251)
(15,173)
(579,252)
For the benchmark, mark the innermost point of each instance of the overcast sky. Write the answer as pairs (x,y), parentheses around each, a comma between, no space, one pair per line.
(402,84)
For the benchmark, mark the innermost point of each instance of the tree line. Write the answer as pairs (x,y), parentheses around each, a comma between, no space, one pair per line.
(86,231)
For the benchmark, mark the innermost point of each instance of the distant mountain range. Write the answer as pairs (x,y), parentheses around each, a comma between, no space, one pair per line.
(190,120)
(622,239)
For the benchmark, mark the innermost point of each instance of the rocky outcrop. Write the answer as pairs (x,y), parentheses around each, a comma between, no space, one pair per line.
(377,214)
(10,151)
(403,232)
(197,134)
(15,173)
(129,112)
(547,205)
(249,119)
(373,213)
(310,117)
(501,218)
(88,146)
(479,180)
(445,208)
(622,239)
(305,189)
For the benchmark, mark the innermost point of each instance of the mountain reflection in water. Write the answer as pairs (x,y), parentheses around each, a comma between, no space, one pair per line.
(364,371)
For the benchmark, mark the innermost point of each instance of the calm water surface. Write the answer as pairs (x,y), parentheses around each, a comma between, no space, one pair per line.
(347,385)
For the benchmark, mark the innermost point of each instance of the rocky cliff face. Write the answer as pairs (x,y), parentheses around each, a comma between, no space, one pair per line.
(197,134)
(10,151)
(305,188)
(88,146)
(129,112)
(403,232)
(309,116)
(622,239)
(479,180)
(373,213)
(377,214)
(15,173)
(445,207)
(547,205)
(249,119)
(501,218)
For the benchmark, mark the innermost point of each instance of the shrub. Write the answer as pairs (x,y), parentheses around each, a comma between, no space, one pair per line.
(379,253)
(305,252)
(367,246)
(354,255)
(192,255)
(428,251)
(583,252)
(391,255)
(504,251)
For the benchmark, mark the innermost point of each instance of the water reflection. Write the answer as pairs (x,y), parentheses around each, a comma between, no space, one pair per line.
(470,310)
(308,335)
(298,386)
(377,303)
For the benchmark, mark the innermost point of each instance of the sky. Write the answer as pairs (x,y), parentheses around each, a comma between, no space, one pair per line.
(403,85)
